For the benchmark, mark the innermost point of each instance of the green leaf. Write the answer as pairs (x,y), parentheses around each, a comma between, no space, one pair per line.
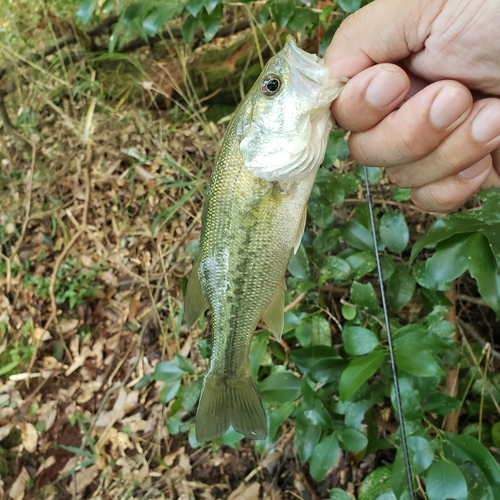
(364,296)
(324,456)
(401,194)
(388,266)
(357,236)
(184,364)
(445,481)
(280,387)
(277,416)
(461,448)
(303,19)
(258,350)
(361,263)
(349,5)
(450,260)
(377,483)
(210,5)
(336,268)
(282,11)
(169,390)
(326,240)
(319,209)
(333,146)
(495,434)
(299,264)
(353,440)
(306,437)
(358,372)
(394,232)
(189,28)
(348,312)
(231,438)
(441,403)
(418,363)
(423,453)
(461,222)
(483,268)
(211,22)
(314,330)
(156,19)
(86,10)
(359,340)
(191,394)
(321,363)
(167,370)
(194,7)
(410,400)
(400,287)
(338,494)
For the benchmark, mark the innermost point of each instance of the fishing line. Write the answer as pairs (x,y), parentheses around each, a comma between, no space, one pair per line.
(399,405)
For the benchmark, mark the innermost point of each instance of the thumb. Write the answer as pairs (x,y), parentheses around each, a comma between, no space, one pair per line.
(381,32)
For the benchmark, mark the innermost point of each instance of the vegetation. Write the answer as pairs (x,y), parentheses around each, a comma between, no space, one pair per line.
(110,127)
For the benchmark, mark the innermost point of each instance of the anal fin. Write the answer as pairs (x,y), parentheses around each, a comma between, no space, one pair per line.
(273,315)
(195,303)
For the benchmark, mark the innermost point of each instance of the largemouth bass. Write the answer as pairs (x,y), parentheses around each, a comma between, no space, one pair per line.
(253,218)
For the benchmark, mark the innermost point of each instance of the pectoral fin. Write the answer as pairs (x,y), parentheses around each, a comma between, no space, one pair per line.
(194,302)
(300,230)
(273,315)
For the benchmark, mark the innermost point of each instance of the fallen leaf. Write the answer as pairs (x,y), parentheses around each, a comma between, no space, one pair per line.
(18,487)
(84,478)
(29,436)
(244,492)
(48,463)
(68,325)
(5,431)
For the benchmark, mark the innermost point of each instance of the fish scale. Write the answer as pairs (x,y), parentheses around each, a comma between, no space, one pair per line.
(253,220)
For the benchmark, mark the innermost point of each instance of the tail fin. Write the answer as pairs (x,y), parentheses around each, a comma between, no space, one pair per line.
(230,401)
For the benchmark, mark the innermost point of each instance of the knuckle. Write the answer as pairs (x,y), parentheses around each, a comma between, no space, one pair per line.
(434,198)
(398,176)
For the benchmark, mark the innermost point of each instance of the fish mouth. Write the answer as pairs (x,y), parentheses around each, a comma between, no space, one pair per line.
(307,69)
(310,66)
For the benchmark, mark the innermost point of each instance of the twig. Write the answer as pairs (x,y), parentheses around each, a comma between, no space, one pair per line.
(472,300)
(386,202)
(451,421)
(465,326)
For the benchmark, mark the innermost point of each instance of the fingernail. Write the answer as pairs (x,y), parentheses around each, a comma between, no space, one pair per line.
(476,169)
(486,124)
(448,106)
(385,88)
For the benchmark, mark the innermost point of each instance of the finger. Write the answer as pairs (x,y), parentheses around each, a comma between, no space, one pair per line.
(370,96)
(449,193)
(416,128)
(383,31)
(475,138)
(493,179)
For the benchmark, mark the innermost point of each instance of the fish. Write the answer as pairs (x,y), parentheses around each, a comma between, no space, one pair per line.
(253,219)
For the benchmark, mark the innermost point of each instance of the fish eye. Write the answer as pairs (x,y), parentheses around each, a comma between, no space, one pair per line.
(270,85)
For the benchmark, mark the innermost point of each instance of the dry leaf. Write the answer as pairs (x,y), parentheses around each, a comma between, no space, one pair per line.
(18,487)
(245,492)
(84,478)
(48,463)
(29,436)
(5,431)
(47,414)
(68,325)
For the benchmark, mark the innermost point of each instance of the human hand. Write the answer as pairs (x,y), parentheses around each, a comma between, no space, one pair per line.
(433,118)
